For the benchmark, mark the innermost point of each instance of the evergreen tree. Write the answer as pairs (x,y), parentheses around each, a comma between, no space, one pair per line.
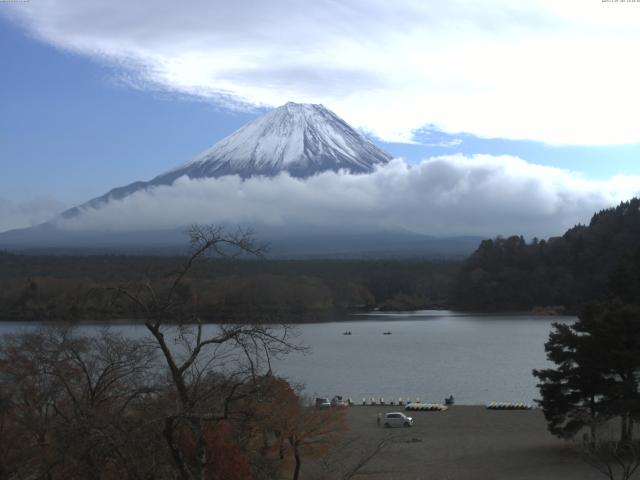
(616,330)
(597,372)
(572,392)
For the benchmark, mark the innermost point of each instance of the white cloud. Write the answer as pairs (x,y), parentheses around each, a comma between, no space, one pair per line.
(547,70)
(27,213)
(449,195)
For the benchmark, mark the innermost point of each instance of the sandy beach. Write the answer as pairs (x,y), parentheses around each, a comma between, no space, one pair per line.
(466,443)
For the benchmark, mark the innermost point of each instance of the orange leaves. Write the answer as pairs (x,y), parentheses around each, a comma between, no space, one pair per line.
(299,430)
(225,459)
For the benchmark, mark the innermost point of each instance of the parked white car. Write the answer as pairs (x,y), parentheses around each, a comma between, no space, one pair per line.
(397,419)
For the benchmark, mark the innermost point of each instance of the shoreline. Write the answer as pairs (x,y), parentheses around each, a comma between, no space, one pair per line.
(354,316)
(462,443)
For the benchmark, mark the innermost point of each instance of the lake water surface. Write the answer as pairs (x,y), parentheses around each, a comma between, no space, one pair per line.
(429,355)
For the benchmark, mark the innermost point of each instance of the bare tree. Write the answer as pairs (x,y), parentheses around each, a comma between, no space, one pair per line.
(210,367)
(614,459)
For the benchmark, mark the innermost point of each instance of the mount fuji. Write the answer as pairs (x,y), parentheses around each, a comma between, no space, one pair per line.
(299,140)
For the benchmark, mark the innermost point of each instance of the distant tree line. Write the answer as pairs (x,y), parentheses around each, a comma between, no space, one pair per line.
(76,287)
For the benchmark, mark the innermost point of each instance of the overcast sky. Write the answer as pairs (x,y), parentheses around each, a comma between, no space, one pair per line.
(97,95)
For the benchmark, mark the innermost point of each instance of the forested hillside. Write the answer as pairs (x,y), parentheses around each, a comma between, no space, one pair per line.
(587,263)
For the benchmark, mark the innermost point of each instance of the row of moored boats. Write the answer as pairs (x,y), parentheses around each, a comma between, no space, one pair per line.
(509,406)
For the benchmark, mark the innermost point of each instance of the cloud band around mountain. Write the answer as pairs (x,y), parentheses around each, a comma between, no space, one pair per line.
(442,196)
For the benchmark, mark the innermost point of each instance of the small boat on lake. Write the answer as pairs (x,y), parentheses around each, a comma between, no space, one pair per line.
(388,332)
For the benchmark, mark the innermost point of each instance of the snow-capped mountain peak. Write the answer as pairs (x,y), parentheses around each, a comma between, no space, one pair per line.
(302,139)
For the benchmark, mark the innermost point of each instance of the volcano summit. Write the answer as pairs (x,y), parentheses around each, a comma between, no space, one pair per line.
(300,139)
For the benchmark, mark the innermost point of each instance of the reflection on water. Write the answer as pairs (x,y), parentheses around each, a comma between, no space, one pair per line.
(429,355)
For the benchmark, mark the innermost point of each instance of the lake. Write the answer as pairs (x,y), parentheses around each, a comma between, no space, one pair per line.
(429,355)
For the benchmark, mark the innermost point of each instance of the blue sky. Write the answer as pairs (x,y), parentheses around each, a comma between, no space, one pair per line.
(68,130)
(91,101)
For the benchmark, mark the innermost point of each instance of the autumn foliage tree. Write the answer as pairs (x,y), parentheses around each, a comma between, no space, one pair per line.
(297,429)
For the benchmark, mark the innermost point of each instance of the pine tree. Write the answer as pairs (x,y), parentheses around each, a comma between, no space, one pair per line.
(572,392)
(597,372)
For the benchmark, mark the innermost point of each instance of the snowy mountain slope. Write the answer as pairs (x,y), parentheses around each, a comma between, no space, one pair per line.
(300,139)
